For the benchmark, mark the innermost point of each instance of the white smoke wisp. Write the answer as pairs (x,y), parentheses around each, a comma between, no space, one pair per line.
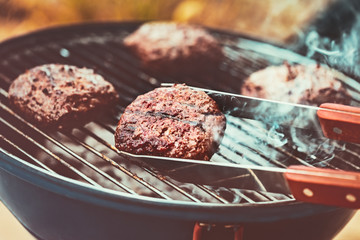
(275,138)
(343,54)
(299,129)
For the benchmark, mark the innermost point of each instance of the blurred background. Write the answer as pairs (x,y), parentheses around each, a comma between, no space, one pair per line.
(277,21)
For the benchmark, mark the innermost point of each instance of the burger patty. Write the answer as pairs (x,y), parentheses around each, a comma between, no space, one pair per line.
(173,122)
(171,47)
(312,85)
(61,95)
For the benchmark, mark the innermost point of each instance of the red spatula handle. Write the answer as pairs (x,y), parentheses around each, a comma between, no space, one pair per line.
(324,186)
(342,124)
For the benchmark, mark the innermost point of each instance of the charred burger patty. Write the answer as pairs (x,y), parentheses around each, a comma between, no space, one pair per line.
(173,122)
(305,84)
(170,47)
(55,94)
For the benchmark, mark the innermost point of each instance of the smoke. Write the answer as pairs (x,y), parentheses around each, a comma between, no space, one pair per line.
(286,133)
(338,46)
(275,138)
(341,52)
(278,132)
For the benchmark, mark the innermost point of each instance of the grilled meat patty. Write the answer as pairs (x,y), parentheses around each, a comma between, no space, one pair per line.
(312,85)
(173,122)
(169,47)
(60,95)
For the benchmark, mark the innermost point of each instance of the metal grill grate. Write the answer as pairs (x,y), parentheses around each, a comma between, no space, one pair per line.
(88,154)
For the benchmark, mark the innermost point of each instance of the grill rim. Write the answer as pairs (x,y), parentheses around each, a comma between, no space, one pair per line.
(213,212)
(17,164)
(104,25)
(68,27)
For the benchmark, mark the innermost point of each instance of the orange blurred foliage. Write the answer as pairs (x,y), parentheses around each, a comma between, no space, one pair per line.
(274,20)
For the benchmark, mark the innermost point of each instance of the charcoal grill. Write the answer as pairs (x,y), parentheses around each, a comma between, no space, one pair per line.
(73,183)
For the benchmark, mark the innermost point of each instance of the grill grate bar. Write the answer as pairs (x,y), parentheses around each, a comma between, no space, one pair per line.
(161,178)
(213,194)
(123,169)
(357,155)
(129,62)
(69,151)
(304,162)
(105,126)
(245,197)
(78,58)
(247,129)
(271,198)
(352,165)
(54,156)
(26,154)
(85,162)
(133,68)
(6,79)
(127,94)
(279,149)
(13,70)
(205,189)
(48,54)
(256,152)
(124,70)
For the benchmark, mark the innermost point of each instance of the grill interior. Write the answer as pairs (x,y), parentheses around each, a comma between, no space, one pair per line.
(88,154)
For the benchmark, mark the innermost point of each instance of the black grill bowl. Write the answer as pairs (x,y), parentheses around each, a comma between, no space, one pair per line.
(57,208)
(51,206)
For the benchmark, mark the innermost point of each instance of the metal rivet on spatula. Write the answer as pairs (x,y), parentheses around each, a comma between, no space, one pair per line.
(350,197)
(307,192)
(337,130)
